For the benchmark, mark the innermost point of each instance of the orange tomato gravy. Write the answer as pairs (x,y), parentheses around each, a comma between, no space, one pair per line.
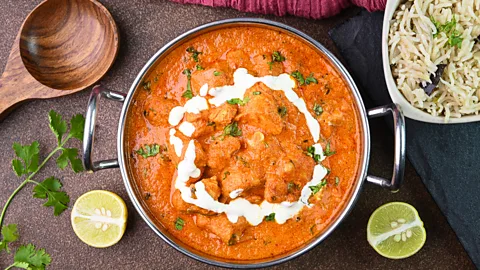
(222,52)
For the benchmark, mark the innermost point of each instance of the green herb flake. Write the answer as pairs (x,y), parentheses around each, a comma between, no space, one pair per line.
(317,109)
(337,180)
(455,40)
(256,93)
(310,79)
(299,77)
(147,86)
(232,130)
(179,223)
(311,153)
(315,189)
(282,110)
(188,93)
(217,73)
(198,67)
(328,152)
(291,186)
(225,174)
(277,57)
(194,53)
(237,101)
(233,240)
(148,150)
(270,217)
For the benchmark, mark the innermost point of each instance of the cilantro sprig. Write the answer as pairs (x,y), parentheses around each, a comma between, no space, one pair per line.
(454,37)
(27,162)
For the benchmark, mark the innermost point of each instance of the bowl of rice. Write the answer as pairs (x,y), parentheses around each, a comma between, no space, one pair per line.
(431,58)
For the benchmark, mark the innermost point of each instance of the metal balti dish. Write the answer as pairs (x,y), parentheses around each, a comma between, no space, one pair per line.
(134,192)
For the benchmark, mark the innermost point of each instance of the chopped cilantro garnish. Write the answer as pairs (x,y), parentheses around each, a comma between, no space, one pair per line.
(217,73)
(232,130)
(277,57)
(317,109)
(194,53)
(317,188)
(311,153)
(337,180)
(310,79)
(454,37)
(282,110)
(299,77)
(256,93)
(328,152)
(147,85)
(188,93)
(179,223)
(270,217)
(237,101)
(198,67)
(148,150)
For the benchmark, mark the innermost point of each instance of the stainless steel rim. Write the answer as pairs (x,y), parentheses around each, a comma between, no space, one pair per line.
(362,170)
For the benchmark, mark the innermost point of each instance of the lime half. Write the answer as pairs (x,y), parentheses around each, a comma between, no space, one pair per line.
(396,231)
(99,218)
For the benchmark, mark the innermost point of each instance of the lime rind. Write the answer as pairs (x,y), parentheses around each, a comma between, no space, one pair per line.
(396,231)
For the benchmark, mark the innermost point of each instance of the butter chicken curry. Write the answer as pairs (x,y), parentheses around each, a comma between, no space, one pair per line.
(245,142)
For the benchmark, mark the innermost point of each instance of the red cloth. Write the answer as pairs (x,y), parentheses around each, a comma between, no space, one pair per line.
(315,9)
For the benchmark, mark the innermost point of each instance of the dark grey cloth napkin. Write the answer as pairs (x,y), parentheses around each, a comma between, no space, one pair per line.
(446,157)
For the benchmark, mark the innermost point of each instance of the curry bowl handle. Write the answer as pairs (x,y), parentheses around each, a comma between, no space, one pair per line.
(400,142)
(89,131)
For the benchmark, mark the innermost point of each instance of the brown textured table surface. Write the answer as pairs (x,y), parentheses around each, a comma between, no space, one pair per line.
(145,26)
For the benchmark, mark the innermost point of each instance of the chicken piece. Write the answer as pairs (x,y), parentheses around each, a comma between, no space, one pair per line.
(239,179)
(222,115)
(262,111)
(238,59)
(263,65)
(230,233)
(212,188)
(285,179)
(200,122)
(219,152)
(218,74)
(157,110)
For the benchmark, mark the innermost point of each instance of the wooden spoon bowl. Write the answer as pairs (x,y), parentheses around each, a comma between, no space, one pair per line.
(63,46)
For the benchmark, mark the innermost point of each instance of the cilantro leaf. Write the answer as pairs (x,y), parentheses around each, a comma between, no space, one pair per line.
(232,130)
(311,153)
(9,235)
(317,109)
(455,39)
(310,79)
(217,73)
(315,189)
(29,155)
(149,151)
(299,77)
(18,167)
(328,152)
(27,257)
(282,110)
(57,125)
(277,57)
(194,53)
(179,223)
(198,67)
(50,189)
(237,101)
(270,217)
(188,93)
(70,154)
(77,125)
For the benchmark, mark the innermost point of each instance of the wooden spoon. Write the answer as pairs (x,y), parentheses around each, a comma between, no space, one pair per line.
(63,46)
